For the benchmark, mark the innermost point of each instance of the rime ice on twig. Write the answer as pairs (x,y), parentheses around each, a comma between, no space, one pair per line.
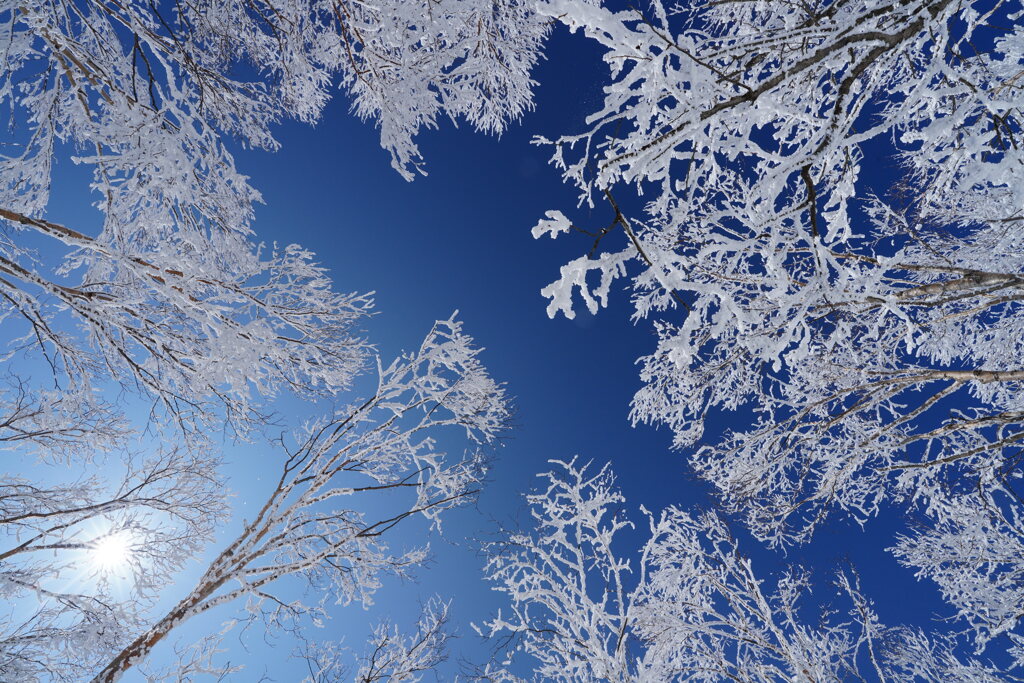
(308,525)
(689,607)
(875,332)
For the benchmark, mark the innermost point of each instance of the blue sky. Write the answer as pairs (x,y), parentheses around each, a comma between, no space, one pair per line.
(460,239)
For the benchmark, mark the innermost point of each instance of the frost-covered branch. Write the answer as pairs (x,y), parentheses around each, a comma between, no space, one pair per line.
(383,446)
(872,325)
(394,656)
(75,601)
(690,607)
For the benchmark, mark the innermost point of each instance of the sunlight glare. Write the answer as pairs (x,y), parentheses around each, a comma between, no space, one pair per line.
(112,552)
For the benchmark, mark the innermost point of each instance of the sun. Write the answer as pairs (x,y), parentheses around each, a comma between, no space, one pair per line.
(112,552)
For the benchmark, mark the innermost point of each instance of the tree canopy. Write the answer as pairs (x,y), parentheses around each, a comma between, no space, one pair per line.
(871,326)
(816,207)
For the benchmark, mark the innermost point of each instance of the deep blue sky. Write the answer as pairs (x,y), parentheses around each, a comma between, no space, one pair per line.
(460,239)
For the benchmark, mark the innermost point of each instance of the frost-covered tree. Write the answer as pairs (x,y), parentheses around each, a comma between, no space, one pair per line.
(70,551)
(869,316)
(318,523)
(172,293)
(311,526)
(205,341)
(172,301)
(94,488)
(974,552)
(689,607)
(389,654)
(394,656)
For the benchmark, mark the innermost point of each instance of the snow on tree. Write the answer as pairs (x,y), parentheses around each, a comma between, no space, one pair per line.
(70,549)
(173,294)
(174,302)
(873,326)
(393,656)
(876,334)
(314,525)
(390,654)
(205,349)
(974,554)
(202,337)
(690,607)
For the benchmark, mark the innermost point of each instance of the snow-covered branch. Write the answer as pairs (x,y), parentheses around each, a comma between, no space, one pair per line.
(383,446)
(872,325)
(690,607)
